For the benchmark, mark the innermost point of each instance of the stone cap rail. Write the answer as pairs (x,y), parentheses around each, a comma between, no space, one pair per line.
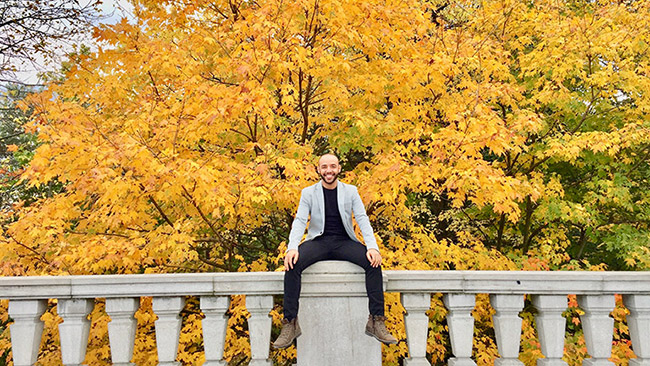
(271,283)
(331,289)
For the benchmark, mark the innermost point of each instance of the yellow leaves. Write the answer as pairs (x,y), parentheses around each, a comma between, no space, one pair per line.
(144,351)
(98,350)
(570,147)
(484,185)
(486,350)
(237,339)
(259,195)
(531,348)
(184,138)
(630,261)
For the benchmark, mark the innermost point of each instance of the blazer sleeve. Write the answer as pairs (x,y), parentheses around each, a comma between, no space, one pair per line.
(300,221)
(359,211)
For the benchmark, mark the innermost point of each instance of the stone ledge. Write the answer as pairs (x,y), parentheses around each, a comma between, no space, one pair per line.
(271,283)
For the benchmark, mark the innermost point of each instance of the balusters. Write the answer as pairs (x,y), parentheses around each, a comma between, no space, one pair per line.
(507,327)
(259,328)
(598,328)
(75,303)
(551,327)
(639,324)
(417,327)
(461,327)
(26,330)
(74,329)
(122,328)
(214,326)
(168,328)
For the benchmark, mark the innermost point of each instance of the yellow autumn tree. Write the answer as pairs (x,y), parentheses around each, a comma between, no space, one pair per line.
(182,144)
(196,117)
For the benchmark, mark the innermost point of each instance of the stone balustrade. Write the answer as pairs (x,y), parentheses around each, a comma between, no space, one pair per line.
(343,286)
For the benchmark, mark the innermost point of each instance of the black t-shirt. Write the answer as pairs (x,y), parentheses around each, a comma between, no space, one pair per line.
(333,222)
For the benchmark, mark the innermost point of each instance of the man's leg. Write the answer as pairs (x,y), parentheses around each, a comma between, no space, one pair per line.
(309,252)
(355,252)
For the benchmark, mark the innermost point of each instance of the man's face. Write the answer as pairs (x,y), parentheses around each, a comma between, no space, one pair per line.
(328,168)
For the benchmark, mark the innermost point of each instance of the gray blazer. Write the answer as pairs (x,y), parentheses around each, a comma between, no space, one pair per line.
(312,208)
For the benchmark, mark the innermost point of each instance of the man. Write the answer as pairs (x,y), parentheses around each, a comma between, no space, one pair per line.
(329,205)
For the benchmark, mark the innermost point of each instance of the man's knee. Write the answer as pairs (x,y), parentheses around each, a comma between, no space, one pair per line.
(370,268)
(296,270)
(300,266)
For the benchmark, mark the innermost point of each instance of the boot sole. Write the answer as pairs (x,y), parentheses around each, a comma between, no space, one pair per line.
(382,341)
(289,344)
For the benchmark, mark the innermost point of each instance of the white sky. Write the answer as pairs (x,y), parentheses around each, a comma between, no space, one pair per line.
(111,11)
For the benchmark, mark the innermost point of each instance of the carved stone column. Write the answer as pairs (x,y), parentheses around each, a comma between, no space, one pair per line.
(168,328)
(259,328)
(333,314)
(26,330)
(74,329)
(639,323)
(598,328)
(122,328)
(461,327)
(551,326)
(507,327)
(417,327)
(214,326)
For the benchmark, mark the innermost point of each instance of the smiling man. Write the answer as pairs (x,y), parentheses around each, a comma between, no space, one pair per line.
(329,205)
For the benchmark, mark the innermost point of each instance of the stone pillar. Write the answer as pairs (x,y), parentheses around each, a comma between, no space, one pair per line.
(598,328)
(259,328)
(214,326)
(122,328)
(551,326)
(639,324)
(461,327)
(74,329)
(417,327)
(168,328)
(26,330)
(507,328)
(333,314)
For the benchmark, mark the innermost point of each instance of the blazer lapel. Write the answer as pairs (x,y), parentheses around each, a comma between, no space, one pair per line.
(321,200)
(340,197)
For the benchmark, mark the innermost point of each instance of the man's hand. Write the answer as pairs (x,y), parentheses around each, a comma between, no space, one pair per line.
(374,257)
(290,258)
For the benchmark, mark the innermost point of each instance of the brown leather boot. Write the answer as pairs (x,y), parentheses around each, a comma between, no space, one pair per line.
(376,327)
(290,331)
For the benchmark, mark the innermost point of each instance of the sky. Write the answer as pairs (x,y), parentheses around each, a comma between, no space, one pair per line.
(111,12)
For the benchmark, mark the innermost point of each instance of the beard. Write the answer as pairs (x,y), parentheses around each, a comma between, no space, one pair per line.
(330,179)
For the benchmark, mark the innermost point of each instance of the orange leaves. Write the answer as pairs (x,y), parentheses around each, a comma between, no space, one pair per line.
(184,143)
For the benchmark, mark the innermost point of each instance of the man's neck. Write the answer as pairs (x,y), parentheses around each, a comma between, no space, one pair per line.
(330,185)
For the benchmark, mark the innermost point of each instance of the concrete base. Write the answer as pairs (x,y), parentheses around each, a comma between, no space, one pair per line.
(637,362)
(416,362)
(552,362)
(333,314)
(460,362)
(507,362)
(600,362)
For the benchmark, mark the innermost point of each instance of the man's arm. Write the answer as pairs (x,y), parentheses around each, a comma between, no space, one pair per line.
(299,222)
(359,211)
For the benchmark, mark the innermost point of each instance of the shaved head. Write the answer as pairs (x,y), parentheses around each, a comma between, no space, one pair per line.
(328,157)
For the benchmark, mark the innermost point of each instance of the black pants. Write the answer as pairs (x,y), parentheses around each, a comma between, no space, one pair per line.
(332,248)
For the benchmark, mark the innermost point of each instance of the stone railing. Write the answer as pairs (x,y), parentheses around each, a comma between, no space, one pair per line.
(333,311)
